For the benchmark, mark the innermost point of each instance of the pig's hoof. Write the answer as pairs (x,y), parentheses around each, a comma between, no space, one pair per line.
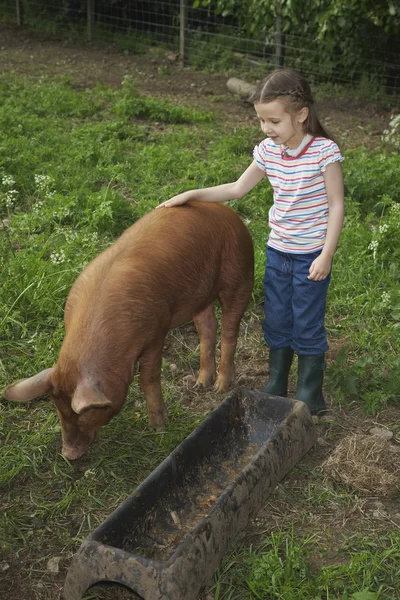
(204,381)
(222,385)
(202,385)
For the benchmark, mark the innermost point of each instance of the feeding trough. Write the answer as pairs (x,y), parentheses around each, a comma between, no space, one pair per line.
(166,540)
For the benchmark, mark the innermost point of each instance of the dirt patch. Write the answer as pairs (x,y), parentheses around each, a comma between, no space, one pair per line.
(159,74)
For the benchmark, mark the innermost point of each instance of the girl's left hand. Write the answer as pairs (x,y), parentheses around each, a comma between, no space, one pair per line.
(320,268)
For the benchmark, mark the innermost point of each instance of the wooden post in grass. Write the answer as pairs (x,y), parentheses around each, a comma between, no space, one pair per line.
(279,40)
(90,19)
(183,46)
(20,13)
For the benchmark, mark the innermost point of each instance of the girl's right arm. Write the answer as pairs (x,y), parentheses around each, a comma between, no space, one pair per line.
(221,193)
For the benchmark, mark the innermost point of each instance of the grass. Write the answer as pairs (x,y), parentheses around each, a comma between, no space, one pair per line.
(76,168)
(283,568)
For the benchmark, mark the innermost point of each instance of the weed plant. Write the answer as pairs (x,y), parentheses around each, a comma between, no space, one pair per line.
(76,168)
(283,569)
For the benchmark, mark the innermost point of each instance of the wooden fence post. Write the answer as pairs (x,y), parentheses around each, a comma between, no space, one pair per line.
(183,46)
(90,19)
(279,41)
(20,13)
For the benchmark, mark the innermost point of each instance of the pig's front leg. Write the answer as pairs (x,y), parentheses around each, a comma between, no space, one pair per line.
(150,384)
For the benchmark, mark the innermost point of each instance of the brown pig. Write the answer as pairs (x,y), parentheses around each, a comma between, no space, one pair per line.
(165,270)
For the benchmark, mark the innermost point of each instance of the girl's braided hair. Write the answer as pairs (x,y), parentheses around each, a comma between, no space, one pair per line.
(294,88)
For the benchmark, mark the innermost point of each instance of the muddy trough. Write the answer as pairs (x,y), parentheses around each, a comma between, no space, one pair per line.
(166,540)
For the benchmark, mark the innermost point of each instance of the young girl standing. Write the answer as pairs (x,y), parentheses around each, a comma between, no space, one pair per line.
(302,164)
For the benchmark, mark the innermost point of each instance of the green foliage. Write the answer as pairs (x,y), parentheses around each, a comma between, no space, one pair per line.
(282,569)
(372,179)
(73,176)
(364,295)
(364,595)
(337,29)
(71,180)
(67,172)
(323,37)
(132,106)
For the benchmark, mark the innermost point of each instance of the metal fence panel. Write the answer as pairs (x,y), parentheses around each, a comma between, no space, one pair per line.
(203,38)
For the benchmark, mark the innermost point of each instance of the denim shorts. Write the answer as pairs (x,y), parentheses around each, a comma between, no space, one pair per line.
(294,306)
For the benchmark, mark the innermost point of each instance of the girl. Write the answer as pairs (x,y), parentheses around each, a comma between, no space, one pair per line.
(302,164)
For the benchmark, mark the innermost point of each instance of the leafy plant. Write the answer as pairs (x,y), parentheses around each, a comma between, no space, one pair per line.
(71,180)
(131,105)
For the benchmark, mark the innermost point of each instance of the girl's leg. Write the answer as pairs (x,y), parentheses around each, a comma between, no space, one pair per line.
(280,361)
(309,383)
(309,335)
(278,320)
(277,325)
(308,305)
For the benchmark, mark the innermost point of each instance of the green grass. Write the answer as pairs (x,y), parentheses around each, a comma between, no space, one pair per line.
(76,168)
(284,568)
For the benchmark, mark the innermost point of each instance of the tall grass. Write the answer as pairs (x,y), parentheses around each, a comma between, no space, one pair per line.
(76,168)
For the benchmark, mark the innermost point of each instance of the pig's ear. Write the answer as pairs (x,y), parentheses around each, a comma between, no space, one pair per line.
(24,390)
(87,396)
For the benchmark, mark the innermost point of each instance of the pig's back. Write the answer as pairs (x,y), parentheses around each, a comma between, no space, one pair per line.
(190,254)
(179,257)
(194,229)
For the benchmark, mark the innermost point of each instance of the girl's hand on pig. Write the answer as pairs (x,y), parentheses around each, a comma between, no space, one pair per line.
(177,200)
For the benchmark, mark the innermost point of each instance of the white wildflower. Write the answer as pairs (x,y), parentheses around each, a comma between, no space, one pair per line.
(385,299)
(62,211)
(374,247)
(8,181)
(38,205)
(57,257)
(392,135)
(43,184)
(43,180)
(383,228)
(70,235)
(10,197)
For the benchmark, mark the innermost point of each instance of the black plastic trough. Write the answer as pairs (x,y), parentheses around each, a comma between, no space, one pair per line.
(166,539)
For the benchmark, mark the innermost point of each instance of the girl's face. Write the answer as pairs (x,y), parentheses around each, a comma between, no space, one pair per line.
(281,126)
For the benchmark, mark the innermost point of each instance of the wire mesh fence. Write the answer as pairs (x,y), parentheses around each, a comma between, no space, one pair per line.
(204,38)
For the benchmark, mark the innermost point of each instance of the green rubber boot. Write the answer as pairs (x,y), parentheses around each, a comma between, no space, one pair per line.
(309,383)
(280,361)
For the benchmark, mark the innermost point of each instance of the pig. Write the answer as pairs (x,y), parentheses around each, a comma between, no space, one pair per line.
(165,270)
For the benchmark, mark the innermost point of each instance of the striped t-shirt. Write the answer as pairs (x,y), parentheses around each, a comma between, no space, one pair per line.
(299,215)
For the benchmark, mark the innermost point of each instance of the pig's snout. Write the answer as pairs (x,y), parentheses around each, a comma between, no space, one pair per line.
(74,452)
(74,449)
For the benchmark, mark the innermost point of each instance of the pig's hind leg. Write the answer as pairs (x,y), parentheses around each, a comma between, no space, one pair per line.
(233,304)
(150,384)
(206,325)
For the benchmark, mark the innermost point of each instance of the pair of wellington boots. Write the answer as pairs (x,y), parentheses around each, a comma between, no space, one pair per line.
(309,379)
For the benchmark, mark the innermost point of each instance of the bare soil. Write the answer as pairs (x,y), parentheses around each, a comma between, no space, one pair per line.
(354,123)
(26,53)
